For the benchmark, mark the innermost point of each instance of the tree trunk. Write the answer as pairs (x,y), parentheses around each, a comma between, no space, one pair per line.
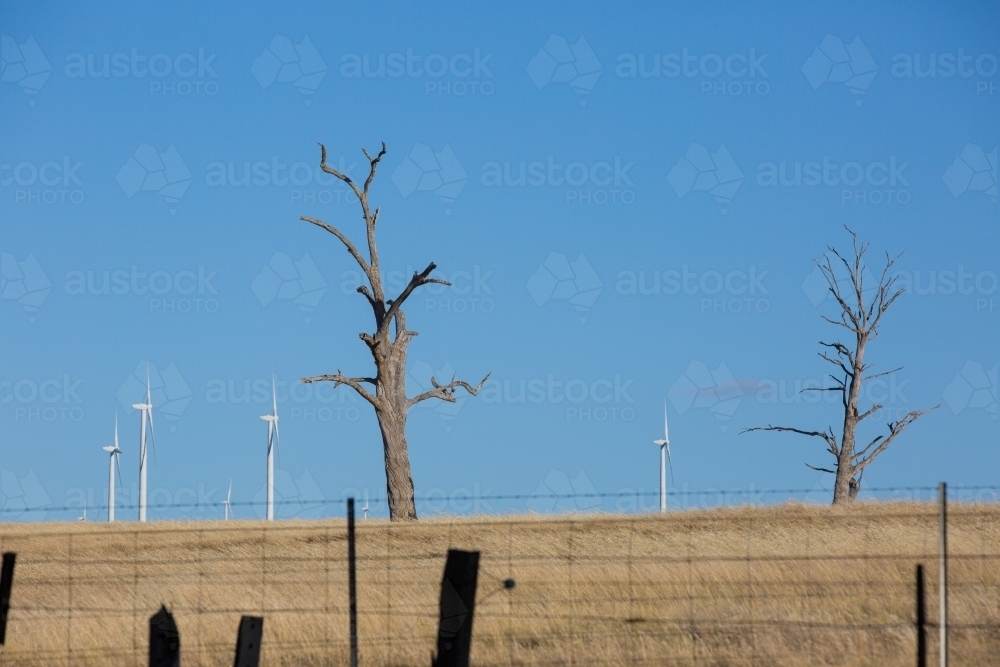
(398,479)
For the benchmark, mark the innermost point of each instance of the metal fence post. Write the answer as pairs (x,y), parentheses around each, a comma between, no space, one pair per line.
(943,575)
(352,582)
(921,620)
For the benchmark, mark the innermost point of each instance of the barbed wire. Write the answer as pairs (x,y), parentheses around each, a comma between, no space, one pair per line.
(955,494)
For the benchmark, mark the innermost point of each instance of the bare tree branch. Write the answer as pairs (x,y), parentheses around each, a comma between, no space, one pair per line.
(418,279)
(353,383)
(828,437)
(446,392)
(343,239)
(895,428)
(833,472)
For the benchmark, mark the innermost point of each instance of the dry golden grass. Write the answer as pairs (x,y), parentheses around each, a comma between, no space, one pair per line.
(785,586)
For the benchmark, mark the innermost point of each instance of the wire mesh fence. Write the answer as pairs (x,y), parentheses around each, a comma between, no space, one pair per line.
(788,585)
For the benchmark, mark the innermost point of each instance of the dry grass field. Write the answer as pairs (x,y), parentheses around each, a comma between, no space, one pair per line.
(784,586)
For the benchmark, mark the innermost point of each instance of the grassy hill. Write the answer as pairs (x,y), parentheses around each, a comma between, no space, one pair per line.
(789,585)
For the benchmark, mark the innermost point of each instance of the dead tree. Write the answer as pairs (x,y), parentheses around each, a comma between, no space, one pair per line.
(387,344)
(862,317)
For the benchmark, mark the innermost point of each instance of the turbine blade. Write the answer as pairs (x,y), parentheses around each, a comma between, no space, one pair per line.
(666,435)
(116,429)
(118,464)
(274,399)
(671,464)
(152,431)
(230,494)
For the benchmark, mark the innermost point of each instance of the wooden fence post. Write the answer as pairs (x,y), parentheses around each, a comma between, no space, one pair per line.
(6,581)
(248,641)
(164,640)
(458,602)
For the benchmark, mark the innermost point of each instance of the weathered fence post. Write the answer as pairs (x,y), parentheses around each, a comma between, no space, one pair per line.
(248,641)
(352,584)
(943,574)
(164,640)
(921,620)
(6,581)
(458,601)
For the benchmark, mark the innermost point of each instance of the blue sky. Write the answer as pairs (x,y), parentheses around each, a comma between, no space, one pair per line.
(150,209)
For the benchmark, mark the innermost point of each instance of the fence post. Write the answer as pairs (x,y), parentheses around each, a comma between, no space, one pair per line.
(458,602)
(352,584)
(6,581)
(248,641)
(164,640)
(921,620)
(943,575)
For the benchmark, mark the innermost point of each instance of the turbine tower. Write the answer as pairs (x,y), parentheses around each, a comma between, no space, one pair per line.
(664,460)
(115,453)
(146,416)
(272,443)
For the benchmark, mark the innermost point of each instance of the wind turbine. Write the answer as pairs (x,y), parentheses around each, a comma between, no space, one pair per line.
(664,459)
(225,502)
(115,453)
(146,415)
(365,508)
(272,443)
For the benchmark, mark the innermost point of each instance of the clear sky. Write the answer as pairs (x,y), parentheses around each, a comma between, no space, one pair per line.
(628,202)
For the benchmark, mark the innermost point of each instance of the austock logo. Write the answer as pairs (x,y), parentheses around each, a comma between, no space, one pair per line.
(22,499)
(558,493)
(974,170)
(309,183)
(24,282)
(731,292)
(700,387)
(293,498)
(424,170)
(284,279)
(560,62)
(700,171)
(170,393)
(558,279)
(148,170)
(183,291)
(24,65)
(284,62)
(974,387)
(834,62)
